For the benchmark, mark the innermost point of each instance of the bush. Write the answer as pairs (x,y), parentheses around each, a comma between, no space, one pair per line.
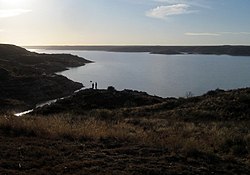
(111,88)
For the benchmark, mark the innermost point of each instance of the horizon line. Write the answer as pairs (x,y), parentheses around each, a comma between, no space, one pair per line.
(128,45)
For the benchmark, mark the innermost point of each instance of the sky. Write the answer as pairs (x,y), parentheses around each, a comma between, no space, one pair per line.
(125,22)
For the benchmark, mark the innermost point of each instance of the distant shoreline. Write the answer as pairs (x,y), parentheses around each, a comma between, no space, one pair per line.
(231,50)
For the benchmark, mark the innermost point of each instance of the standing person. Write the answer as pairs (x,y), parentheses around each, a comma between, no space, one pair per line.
(95,85)
(91,82)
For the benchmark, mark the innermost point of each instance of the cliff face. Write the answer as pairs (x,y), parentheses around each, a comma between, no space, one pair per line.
(29,78)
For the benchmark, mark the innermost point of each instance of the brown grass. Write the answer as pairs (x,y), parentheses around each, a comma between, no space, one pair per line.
(64,126)
(221,138)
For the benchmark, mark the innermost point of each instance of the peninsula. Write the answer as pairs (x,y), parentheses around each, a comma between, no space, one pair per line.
(28,78)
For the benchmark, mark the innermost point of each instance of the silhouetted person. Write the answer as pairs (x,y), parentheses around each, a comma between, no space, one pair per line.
(95,85)
(91,84)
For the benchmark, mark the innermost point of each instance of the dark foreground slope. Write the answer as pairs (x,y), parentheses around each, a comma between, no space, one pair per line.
(169,50)
(32,155)
(28,78)
(129,132)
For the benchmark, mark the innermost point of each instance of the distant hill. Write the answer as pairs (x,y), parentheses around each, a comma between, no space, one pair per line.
(20,62)
(169,50)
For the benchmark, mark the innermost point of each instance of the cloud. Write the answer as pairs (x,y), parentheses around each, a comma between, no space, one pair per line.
(171,1)
(216,33)
(235,33)
(245,33)
(12,12)
(170,10)
(197,3)
(202,34)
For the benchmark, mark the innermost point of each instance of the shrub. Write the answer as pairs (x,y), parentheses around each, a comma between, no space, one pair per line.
(111,88)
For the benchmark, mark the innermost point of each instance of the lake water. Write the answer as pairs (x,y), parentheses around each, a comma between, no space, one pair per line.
(161,75)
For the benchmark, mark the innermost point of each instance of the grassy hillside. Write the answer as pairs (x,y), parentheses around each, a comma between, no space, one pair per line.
(89,99)
(149,135)
(217,105)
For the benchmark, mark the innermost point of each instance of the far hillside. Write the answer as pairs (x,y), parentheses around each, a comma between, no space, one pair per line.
(168,50)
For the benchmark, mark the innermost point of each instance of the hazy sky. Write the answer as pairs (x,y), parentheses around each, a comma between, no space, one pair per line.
(124,22)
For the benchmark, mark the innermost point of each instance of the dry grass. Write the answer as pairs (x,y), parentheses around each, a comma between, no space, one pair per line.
(64,126)
(145,145)
(221,138)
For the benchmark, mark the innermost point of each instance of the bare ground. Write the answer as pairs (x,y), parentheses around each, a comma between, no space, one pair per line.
(32,155)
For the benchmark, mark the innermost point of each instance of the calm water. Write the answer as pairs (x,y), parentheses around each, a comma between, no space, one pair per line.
(162,75)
